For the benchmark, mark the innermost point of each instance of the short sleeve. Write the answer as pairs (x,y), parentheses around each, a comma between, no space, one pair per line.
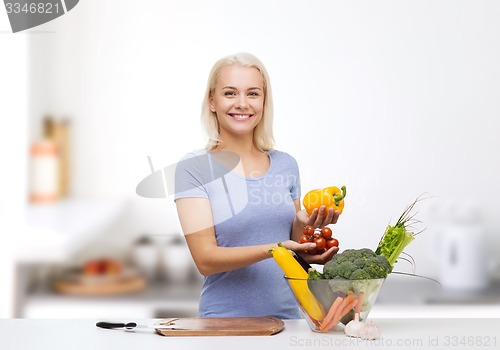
(295,179)
(190,178)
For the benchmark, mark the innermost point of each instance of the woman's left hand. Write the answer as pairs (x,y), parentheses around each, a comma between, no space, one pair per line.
(302,248)
(320,259)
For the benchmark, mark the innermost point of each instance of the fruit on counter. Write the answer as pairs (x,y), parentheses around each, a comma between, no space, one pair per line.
(322,237)
(298,281)
(103,266)
(331,197)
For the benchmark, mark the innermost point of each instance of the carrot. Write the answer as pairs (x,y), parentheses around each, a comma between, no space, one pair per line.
(347,304)
(359,304)
(316,322)
(346,309)
(332,310)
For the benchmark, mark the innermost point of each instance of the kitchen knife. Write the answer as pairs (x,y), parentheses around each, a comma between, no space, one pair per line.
(133,325)
(302,262)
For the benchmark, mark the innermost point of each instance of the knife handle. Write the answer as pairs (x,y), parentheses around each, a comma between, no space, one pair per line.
(302,262)
(113,325)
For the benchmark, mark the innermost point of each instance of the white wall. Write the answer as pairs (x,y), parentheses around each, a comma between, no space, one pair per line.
(391,98)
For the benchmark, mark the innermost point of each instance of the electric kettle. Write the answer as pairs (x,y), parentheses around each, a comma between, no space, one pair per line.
(459,247)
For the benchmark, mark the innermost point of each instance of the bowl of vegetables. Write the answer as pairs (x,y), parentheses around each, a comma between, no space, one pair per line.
(348,285)
(344,292)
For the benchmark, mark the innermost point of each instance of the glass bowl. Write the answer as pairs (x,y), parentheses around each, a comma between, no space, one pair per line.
(328,304)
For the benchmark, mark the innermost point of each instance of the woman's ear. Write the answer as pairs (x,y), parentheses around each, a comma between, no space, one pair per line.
(211,103)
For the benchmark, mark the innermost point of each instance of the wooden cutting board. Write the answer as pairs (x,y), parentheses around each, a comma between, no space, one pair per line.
(232,326)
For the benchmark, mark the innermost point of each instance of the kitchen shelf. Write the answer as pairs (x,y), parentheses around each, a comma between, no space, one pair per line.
(158,300)
(163,300)
(416,291)
(52,232)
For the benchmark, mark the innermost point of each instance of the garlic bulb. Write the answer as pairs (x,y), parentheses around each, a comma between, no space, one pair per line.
(369,331)
(353,327)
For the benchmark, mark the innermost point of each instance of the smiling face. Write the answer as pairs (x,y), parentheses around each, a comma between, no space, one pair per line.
(238,100)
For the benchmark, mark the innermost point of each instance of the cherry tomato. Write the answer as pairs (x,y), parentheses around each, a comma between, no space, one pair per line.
(320,243)
(333,242)
(316,234)
(305,239)
(327,232)
(308,230)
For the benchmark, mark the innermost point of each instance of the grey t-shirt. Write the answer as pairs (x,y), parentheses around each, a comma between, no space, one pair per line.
(246,211)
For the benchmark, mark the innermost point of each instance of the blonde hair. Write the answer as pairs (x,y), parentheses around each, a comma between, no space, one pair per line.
(263,134)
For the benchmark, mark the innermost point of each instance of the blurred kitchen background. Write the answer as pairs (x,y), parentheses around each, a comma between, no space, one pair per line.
(394,99)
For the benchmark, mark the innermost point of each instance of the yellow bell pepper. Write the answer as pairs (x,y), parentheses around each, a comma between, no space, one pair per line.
(331,197)
(298,282)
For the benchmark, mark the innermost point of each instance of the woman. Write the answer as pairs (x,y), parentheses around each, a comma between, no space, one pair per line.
(231,220)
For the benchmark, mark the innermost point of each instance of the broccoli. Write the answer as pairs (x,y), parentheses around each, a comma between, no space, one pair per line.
(356,264)
(313,274)
(378,266)
(359,274)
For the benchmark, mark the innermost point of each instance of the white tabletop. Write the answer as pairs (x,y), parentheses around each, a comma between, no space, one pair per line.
(21,334)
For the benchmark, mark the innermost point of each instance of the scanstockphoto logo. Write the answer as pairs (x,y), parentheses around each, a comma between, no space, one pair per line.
(25,14)
(188,176)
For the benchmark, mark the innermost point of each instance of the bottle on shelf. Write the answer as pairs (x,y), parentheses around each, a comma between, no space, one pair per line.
(50,162)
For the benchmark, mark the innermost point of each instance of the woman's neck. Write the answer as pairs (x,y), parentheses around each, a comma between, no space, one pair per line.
(243,146)
(253,162)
